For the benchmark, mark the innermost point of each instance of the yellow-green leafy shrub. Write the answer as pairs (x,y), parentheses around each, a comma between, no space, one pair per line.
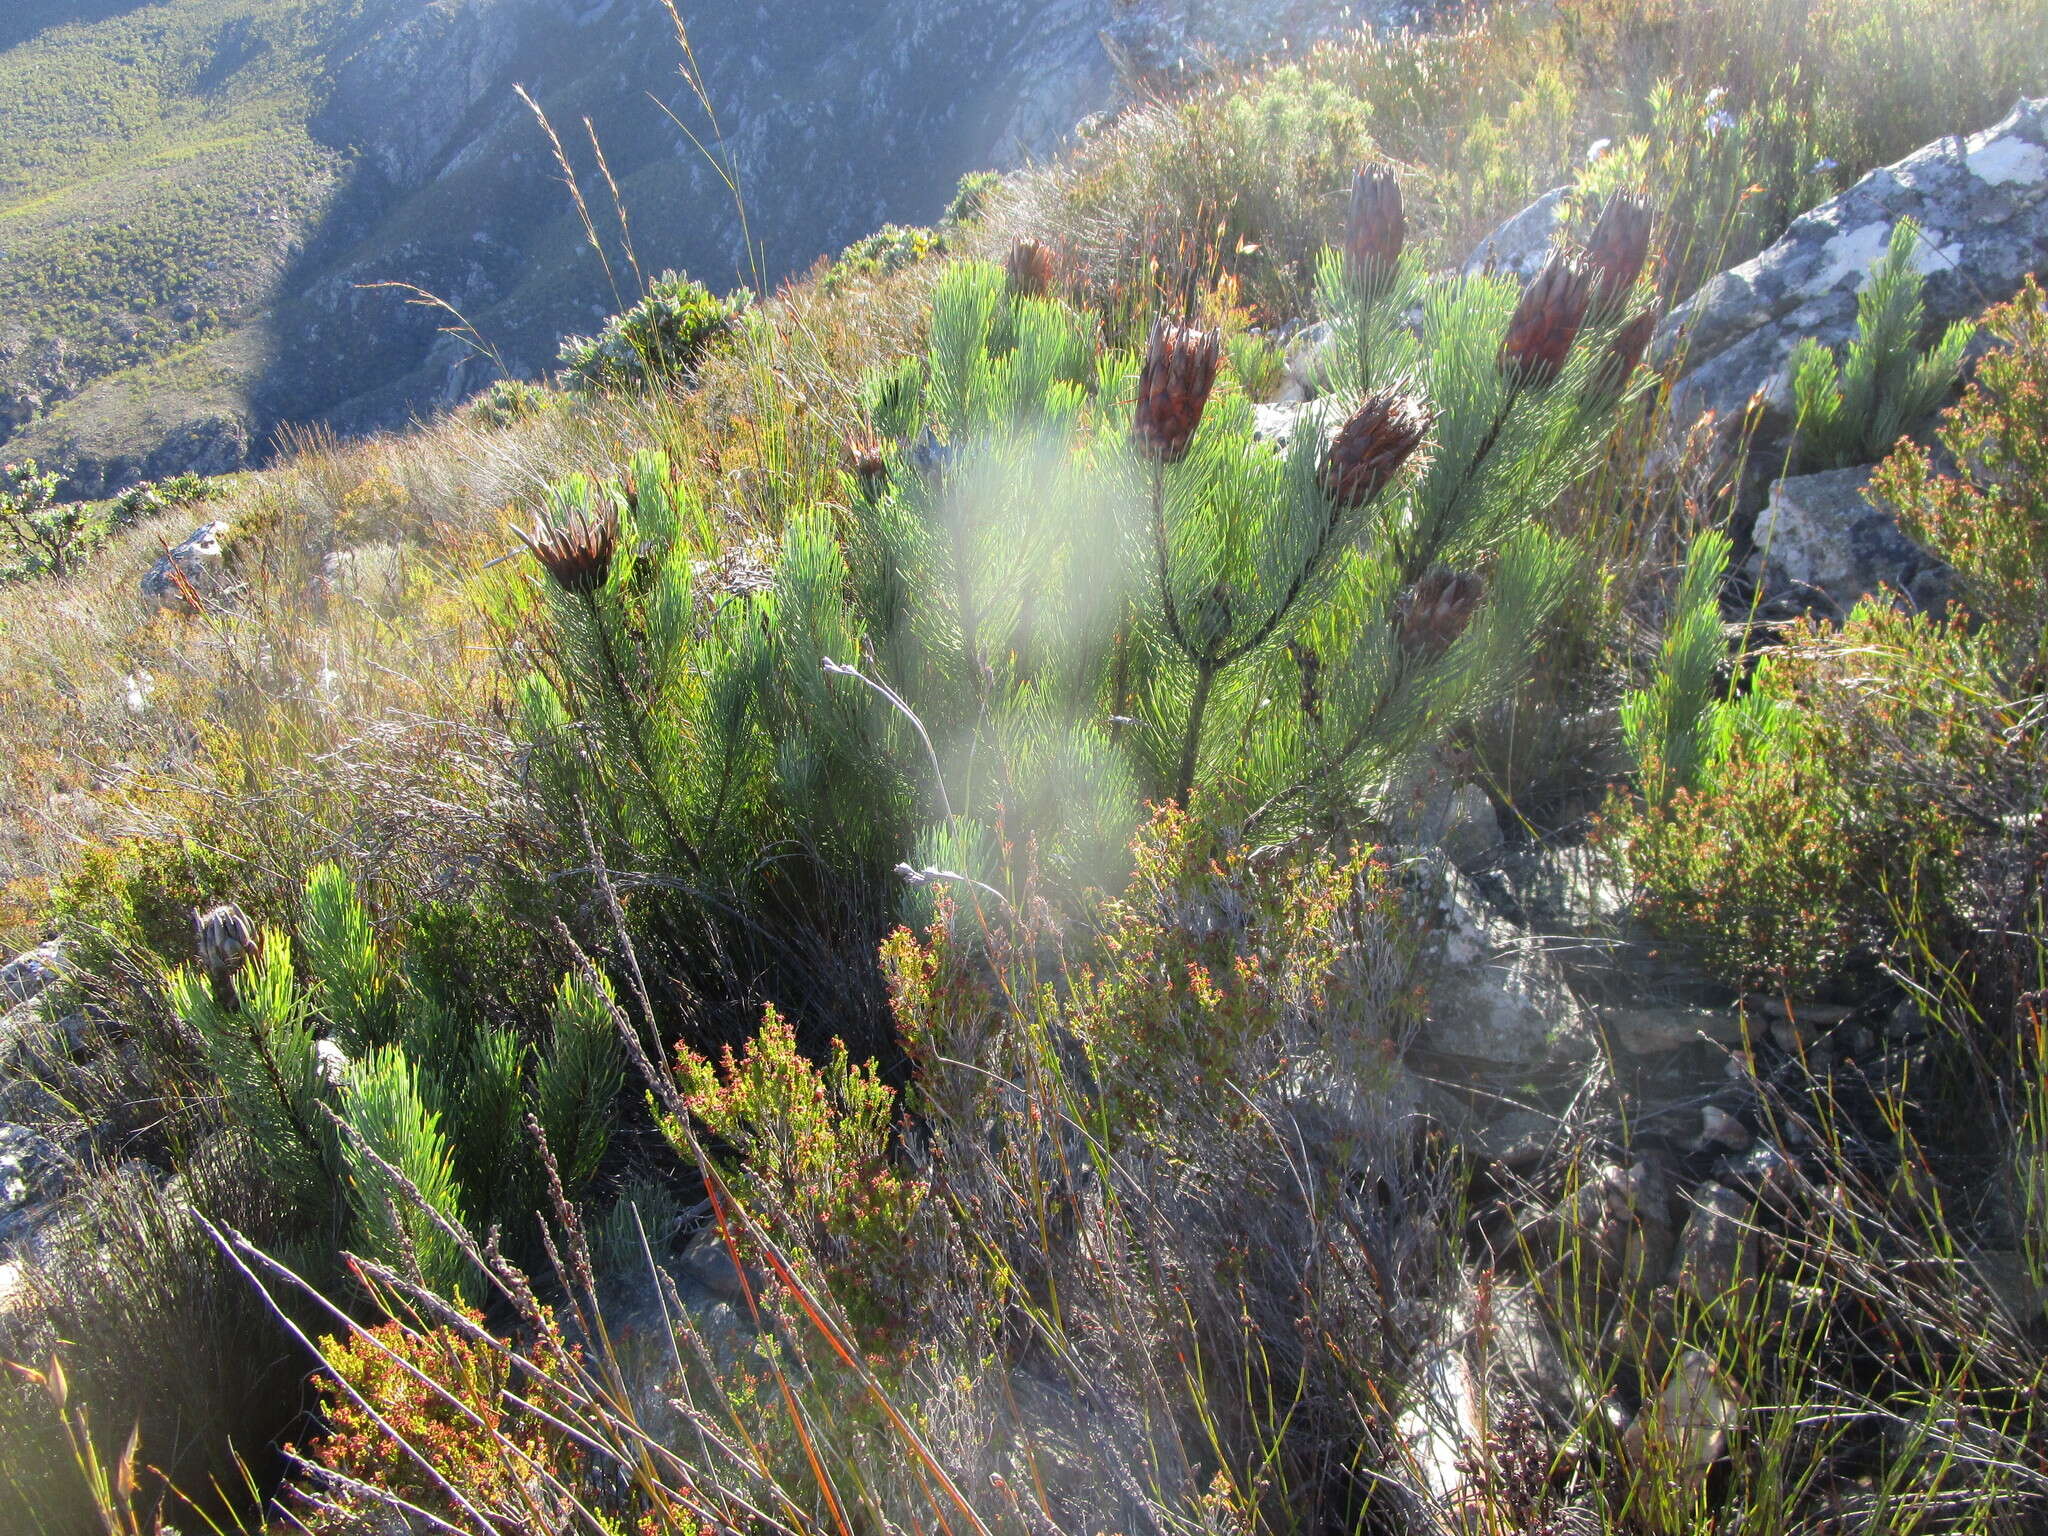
(813,1159)
(1990,522)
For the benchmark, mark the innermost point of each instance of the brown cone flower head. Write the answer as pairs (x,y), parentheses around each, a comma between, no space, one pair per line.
(1173,389)
(578,550)
(1619,247)
(1625,354)
(1371,447)
(1547,322)
(223,939)
(864,454)
(1435,611)
(1030,268)
(1376,228)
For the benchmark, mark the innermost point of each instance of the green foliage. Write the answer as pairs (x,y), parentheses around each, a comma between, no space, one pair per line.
(1854,411)
(961,663)
(43,536)
(127,907)
(578,1087)
(1812,818)
(352,986)
(1256,363)
(889,250)
(507,402)
(810,1155)
(383,1108)
(972,197)
(1859,801)
(153,497)
(660,341)
(1990,522)
(265,1054)
(418,1076)
(1670,725)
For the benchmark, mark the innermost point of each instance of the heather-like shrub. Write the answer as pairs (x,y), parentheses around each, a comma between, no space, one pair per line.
(1989,521)
(1809,820)
(813,1160)
(658,342)
(1210,970)
(394,1395)
(1876,789)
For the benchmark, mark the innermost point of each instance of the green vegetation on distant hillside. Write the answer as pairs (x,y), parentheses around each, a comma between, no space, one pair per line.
(157,173)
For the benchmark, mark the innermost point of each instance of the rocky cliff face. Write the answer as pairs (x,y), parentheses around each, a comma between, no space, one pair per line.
(837,116)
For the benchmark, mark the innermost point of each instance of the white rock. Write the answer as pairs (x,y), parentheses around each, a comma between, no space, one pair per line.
(1497,993)
(1521,245)
(1684,1430)
(197,568)
(30,975)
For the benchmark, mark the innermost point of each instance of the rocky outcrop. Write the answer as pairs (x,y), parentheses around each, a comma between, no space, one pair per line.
(1522,244)
(208,443)
(27,976)
(463,46)
(1819,543)
(1496,994)
(191,572)
(1982,207)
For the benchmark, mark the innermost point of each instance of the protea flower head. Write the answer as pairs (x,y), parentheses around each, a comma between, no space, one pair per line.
(223,939)
(1370,448)
(1547,322)
(1173,389)
(578,547)
(1030,268)
(1376,228)
(1624,354)
(864,453)
(1619,247)
(1432,614)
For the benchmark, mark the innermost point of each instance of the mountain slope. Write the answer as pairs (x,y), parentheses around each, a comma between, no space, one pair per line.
(200,199)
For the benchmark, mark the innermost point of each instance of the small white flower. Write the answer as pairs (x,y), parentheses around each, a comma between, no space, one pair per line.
(1720,122)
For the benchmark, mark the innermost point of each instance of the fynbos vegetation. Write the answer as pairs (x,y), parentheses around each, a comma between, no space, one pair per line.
(1171,858)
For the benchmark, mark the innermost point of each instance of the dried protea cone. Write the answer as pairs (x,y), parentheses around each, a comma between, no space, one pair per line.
(1370,448)
(864,454)
(1310,665)
(223,939)
(1619,247)
(1030,268)
(1624,355)
(1173,389)
(1434,612)
(1547,322)
(1376,228)
(578,551)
